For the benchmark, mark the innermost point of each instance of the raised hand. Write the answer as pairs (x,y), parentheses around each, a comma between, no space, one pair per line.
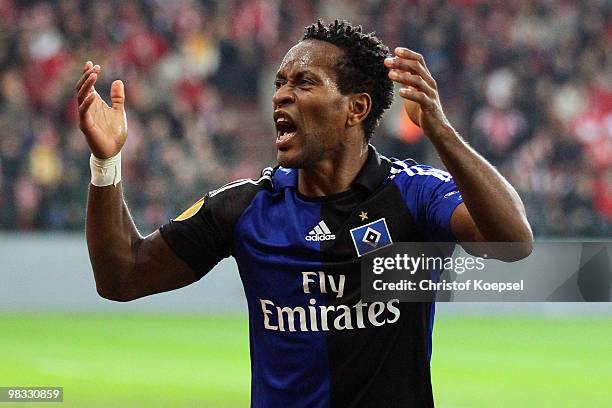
(419,90)
(104,127)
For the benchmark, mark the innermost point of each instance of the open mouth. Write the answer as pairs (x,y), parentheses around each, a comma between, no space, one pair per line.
(285,129)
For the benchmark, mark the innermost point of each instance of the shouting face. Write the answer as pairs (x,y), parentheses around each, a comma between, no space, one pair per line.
(310,113)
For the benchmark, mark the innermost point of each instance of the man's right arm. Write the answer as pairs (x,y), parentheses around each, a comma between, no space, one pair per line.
(126,265)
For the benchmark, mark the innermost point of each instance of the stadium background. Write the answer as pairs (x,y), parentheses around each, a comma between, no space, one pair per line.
(528,83)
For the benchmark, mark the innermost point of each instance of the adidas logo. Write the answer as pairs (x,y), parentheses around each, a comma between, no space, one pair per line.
(320,232)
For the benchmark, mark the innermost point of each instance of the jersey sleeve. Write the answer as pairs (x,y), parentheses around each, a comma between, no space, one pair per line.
(204,233)
(431,196)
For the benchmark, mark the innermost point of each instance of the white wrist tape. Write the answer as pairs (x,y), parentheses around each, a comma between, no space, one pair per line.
(105,172)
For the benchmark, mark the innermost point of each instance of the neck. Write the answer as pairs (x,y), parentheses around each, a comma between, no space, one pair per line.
(334,174)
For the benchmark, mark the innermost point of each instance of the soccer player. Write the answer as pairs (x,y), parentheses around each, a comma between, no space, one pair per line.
(299,231)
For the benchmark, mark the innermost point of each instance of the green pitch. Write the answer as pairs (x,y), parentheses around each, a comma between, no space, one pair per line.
(202,361)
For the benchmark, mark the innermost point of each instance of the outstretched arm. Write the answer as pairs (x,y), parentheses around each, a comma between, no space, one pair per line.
(126,265)
(492,210)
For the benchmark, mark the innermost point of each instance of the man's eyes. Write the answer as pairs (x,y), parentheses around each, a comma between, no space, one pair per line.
(299,82)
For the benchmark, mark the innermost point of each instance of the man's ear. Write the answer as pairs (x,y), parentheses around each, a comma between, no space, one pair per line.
(359,106)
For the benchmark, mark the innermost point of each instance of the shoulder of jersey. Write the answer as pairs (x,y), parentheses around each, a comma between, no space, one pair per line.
(410,168)
(265,181)
(239,190)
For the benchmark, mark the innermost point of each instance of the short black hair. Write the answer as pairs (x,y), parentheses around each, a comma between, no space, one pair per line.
(361,68)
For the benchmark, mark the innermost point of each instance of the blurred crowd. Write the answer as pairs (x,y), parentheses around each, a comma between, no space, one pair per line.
(528,83)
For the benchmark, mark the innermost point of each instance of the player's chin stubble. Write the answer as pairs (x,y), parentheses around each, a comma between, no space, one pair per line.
(285,160)
(301,157)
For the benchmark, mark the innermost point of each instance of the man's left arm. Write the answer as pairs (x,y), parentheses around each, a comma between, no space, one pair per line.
(492,210)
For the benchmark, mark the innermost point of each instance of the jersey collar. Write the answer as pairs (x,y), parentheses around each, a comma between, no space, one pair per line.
(372,174)
(375,170)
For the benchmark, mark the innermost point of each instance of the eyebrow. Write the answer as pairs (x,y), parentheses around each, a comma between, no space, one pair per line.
(300,74)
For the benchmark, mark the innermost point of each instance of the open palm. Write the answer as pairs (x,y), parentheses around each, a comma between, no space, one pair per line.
(104,127)
(418,90)
(413,109)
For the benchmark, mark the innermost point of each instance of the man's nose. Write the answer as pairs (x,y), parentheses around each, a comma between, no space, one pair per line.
(283,96)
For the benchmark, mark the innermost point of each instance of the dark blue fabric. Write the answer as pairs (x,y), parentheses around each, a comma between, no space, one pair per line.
(289,368)
(431,196)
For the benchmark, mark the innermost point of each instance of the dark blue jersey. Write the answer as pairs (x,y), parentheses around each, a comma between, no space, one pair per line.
(314,342)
